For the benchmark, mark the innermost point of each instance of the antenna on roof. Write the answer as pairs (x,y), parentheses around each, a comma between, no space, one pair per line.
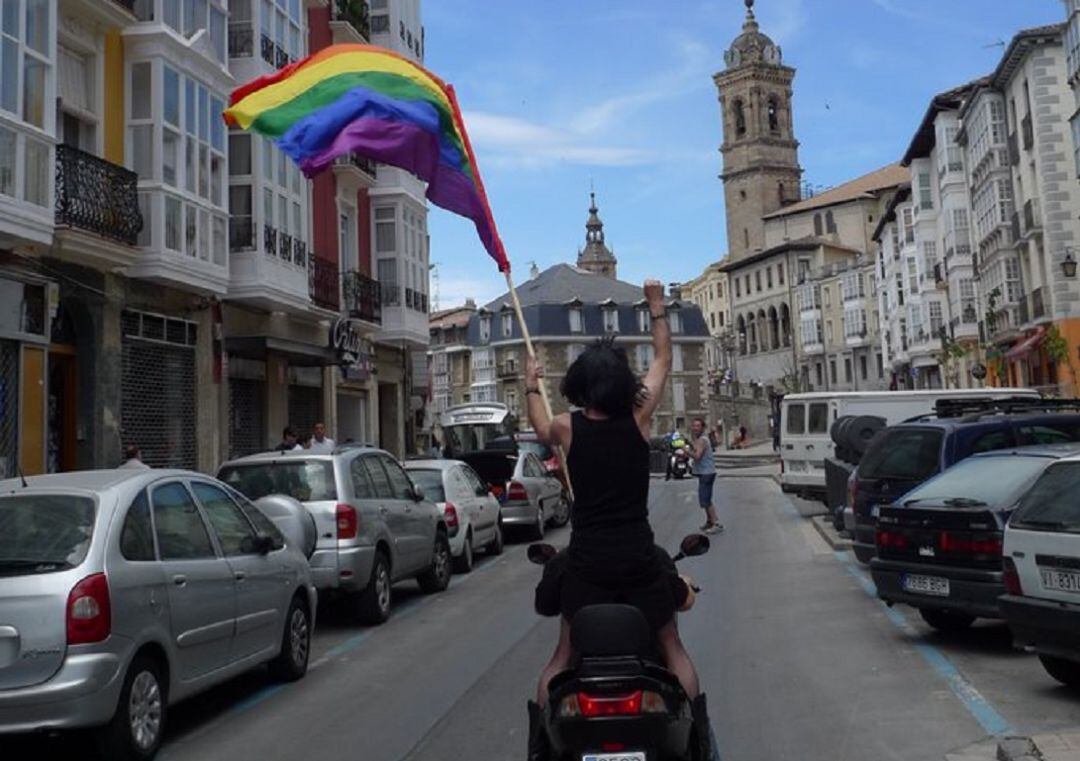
(999,44)
(18,470)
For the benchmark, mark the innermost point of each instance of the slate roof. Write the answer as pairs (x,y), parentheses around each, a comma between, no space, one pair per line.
(563,282)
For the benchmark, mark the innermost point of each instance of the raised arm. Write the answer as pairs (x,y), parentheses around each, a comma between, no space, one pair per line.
(549,431)
(656,378)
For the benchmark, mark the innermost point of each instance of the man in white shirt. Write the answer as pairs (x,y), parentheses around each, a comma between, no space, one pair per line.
(320,442)
(133,459)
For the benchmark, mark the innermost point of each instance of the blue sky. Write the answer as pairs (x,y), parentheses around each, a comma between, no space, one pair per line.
(619,93)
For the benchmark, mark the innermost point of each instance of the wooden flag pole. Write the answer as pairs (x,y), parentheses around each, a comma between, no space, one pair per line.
(543,385)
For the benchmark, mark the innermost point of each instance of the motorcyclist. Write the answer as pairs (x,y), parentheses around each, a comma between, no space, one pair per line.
(612,555)
(676,443)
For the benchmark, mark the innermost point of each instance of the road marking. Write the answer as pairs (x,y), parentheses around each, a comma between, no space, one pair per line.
(978,706)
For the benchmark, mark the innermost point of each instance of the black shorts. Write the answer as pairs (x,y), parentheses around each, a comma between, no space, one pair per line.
(562,591)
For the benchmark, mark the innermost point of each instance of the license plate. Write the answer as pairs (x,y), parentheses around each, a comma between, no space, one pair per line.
(796,466)
(634,756)
(875,511)
(926,585)
(1057,579)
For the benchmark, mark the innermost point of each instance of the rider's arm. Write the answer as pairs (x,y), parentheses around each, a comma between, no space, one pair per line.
(656,378)
(549,431)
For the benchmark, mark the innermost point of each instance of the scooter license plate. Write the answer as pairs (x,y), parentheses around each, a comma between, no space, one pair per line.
(624,756)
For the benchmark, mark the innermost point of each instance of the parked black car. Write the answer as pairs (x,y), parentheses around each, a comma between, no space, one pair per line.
(905,455)
(939,548)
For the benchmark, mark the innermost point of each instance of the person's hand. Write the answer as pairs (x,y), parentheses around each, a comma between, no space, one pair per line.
(654,294)
(534,371)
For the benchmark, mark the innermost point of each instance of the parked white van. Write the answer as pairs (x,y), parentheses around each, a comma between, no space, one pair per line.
(806,419)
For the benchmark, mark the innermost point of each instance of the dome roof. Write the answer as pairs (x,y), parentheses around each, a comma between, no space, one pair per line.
(752,45)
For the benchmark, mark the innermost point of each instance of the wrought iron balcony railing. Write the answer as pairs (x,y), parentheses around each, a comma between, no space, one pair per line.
(270,240)
(324,283)
(266,50)
(363,296)
(365,165)
(299,252)
(96,195)
(285,245)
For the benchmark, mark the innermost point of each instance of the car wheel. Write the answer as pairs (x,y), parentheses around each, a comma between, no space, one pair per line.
(1066,672)
(136,729)
(944,621)
(495,546)
(562,512)
(437,577)
(292,662)
(538,528)
(464,562)
(373,605)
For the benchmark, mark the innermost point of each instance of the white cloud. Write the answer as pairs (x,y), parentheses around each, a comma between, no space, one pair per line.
(896,9)
(453,291)
(510,142)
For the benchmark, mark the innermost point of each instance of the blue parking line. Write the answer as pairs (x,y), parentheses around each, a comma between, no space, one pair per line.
(253,700)
(979,707)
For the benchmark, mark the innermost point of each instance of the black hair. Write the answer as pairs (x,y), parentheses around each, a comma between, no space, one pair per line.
(601,379)
(288,432)
(131,452)
(700,420)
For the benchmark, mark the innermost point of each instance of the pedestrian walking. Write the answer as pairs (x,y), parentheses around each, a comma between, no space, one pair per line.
(321,443)
(705,469)
(133,459)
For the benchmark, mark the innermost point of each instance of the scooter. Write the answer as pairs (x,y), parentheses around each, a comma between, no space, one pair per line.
(680,463)
(617,702)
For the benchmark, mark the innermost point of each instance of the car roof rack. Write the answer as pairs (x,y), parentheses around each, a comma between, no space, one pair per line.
(977,407)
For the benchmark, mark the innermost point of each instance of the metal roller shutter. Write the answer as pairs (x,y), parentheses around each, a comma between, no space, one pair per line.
(158,408)
(9,408)
(246,424)
(305,408)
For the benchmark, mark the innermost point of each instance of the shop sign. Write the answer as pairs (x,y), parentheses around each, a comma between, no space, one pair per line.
(353,350)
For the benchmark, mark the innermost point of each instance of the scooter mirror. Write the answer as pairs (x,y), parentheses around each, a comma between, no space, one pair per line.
(695,544)
(541,553)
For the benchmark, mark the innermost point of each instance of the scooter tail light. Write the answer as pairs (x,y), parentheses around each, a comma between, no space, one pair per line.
(597,706)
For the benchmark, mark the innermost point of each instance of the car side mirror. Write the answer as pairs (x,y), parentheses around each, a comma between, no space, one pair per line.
(418,494)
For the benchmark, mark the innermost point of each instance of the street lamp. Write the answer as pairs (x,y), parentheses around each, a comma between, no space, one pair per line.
(1068,265)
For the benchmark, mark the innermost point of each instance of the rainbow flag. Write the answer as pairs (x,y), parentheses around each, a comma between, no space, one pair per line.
(374,102)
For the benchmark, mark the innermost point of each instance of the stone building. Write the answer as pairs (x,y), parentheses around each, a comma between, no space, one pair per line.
(448,356)
(596,257)
(761,171)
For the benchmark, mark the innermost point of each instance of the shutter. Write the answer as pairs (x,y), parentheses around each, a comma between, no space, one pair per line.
(74,81)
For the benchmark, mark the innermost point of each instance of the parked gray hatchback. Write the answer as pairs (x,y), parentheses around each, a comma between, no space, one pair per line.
(375,527)
(124,591)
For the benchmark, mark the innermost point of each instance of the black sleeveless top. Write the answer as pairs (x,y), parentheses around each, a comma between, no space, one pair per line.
(611,542)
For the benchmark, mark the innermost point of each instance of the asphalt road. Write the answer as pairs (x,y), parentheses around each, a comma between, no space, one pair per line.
(797,658)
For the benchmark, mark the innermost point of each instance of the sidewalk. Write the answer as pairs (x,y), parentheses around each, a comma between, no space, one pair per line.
(1049,746)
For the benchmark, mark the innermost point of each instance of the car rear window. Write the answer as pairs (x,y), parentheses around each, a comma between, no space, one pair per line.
(991,480)
(796,419)
(819,418)
(1049,433)
(538,448)
(910,454)
(304,480)
(43,533)
(431,481)
(1051,502)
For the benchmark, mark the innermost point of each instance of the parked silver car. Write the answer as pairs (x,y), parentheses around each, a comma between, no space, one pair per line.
(124,591)
(533,497)
(470,509)
(374,526)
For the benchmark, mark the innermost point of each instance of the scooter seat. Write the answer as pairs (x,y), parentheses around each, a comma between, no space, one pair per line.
(601,631)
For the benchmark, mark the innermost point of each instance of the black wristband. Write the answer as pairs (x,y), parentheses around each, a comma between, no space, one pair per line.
(658,316)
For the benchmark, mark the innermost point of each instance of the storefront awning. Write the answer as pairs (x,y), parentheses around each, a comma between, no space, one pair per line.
(299,354)
(1025,346)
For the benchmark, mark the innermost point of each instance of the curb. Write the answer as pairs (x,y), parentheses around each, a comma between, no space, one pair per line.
(828,533)
(1017,749)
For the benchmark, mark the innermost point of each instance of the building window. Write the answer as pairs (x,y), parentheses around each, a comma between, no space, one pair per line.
(739,118)
(576,324)
(774,121)
(508,325)
(907,216)
(573,351)
(819,230)
(827,295)
(926,193)
(675,321)
(738,289)
(847,369)
(862,367)
(644,321)
(644,354)
(757,280)
(828,331)
(820,379)
(677,358)
(830,223)
(746,282)
(768,277)
(880,366)
(832,371)
(746,237)
(385,229)
(485,329)
(780,273)
(937,322)
(611,320)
